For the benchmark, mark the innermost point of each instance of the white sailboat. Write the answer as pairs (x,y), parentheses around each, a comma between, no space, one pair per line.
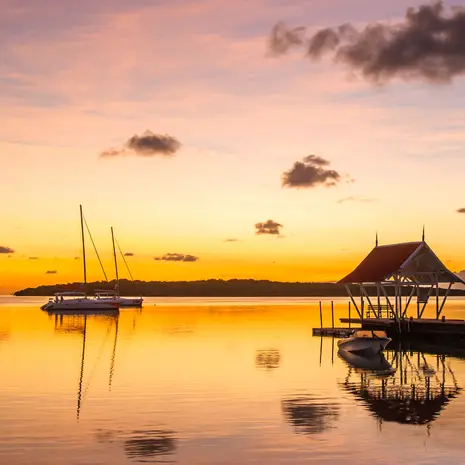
(114,295)
(76,301)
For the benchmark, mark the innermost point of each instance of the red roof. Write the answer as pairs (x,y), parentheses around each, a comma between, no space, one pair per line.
(381,263)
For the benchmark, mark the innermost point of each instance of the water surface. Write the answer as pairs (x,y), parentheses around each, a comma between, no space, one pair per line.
(218,381)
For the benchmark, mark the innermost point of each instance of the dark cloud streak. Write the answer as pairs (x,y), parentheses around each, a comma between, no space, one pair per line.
(269,227)
(356,199)
(148,144)
(429,45)
(4,249)
(177,257)
(461,210)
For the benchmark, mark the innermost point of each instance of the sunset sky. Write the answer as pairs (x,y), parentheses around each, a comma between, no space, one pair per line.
(79,79)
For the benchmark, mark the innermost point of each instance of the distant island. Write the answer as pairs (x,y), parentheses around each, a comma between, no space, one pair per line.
(213,288)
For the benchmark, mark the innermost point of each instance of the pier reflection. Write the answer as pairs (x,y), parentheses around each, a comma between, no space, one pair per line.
(309,414)
(400,386)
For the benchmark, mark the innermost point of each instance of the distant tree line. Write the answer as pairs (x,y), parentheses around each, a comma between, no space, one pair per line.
(214,288)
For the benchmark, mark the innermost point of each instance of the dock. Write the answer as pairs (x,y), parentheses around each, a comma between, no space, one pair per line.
(424,328)
(332,332)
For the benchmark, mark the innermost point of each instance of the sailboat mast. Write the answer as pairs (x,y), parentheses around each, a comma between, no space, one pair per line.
(116,261)
(83,246)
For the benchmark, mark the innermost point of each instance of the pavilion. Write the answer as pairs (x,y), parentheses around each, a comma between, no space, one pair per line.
(400,273)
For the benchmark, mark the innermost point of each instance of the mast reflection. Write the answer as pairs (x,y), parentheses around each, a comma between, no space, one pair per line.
(76,322)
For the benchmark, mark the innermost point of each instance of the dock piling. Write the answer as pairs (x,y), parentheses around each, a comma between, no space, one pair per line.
(321,316)
(349,314)
(332,314)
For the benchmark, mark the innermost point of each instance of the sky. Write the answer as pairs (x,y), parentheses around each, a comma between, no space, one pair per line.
(213,154)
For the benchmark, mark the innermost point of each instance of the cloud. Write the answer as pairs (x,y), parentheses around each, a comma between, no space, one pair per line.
(232,240)
(310,172)
(77,258)
(129,254)
(33,258)
(51,272)
(177,257)
(148,144)
(428,44)
(269,227)
(4,249)
(461,210)
(356,199)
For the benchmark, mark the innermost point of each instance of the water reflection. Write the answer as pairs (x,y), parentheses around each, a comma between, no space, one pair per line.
(310,415)
(149,444)
(403,387)
(144,445)
(4,335)
(268,359)
(76,322)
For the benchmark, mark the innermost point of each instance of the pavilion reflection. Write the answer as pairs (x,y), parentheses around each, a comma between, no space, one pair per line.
(402,387)
(310,415)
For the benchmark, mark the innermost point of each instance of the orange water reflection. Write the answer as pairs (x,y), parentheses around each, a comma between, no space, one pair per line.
(210,383)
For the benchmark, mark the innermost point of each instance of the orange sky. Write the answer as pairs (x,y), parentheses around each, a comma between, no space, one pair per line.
(78,79)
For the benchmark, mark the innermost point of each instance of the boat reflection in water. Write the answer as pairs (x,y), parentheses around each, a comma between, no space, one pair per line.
(402,387)
(76,322)
(374,364)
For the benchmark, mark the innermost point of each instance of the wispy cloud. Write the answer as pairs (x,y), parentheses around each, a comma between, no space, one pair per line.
(129,254)
(51,272)
(269,227)
(33,258)
(177,257)
(356,199)
(232,240)
(4,249)
(429,45)
(148,144)
(311,172)
(461,210)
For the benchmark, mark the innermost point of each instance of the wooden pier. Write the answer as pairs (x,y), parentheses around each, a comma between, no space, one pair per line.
(424,328)
(332,332)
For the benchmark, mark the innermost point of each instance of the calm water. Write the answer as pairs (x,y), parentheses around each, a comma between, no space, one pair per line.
(204,381)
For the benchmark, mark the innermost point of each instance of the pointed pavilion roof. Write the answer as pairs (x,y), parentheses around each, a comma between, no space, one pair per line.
(413,260)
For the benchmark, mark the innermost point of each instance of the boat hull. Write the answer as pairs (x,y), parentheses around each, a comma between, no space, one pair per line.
(123,301)
(363,344)
(80,304)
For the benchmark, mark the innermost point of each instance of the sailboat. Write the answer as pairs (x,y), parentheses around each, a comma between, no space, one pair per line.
(114,295)
(74,300)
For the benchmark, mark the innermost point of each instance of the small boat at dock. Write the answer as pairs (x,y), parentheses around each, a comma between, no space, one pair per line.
(364,341)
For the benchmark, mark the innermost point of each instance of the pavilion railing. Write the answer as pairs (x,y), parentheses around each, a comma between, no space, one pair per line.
(379,311)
